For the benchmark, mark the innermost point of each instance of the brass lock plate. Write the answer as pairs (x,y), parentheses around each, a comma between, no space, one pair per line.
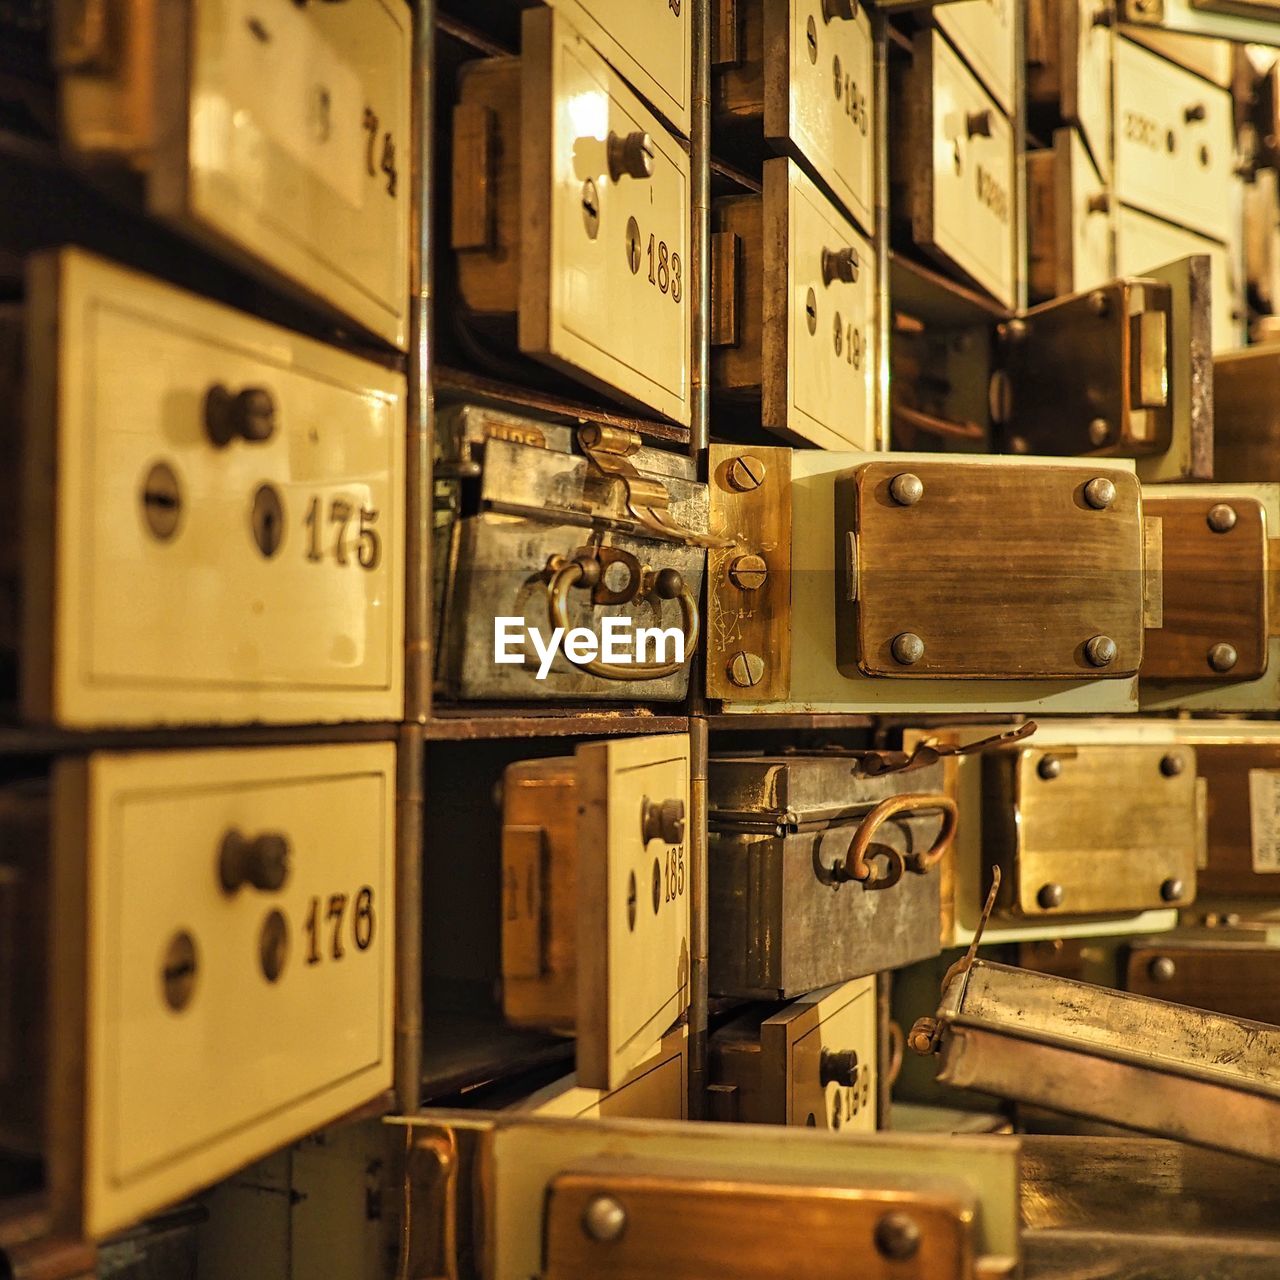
(215,532)
(633,892)
(989,571)
(605,272)
(182,962)
(1093,828)
(539,893)
(616,1222)
(1089,374)
(1217,617)
(749,581)
(1237,978)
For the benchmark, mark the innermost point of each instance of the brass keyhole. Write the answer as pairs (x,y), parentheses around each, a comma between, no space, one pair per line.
(633,245)
(838,333)
(178,971)
(811,35)
(631,903)
(162,501)
(273,945)
(657,885)
(811,311)
(321,113)
(268,520)
(836,74)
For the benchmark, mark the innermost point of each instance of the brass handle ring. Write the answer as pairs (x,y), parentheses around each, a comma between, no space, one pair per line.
(855,861)
(572,573)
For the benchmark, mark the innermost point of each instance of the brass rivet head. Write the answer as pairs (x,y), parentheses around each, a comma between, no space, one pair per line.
(1099,430)
(1100,493)
(1050,896)
(1221,518)
(1171,889)
(746,473)
(907,648)
(746,669)
(1223,656)
(1171,765)
(604,1219)
(1049,767)
(1098,303)
(1100,651)
(898,1236)
(1162,969)
(906,489)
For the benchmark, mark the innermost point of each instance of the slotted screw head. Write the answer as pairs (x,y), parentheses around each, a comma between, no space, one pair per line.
(746,669)
(746,473)
(748,572)
(1100,493)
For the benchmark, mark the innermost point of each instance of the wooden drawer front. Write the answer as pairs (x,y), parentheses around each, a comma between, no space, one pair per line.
(218,529)
(221,1019)
(1174,142)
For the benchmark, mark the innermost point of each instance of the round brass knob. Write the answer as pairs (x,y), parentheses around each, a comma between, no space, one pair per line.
(630,155)
(262,862)
(248,415)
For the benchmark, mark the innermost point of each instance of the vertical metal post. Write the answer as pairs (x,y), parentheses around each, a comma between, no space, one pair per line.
(408,918)
(418,461)
(699,919)
(1020,246)
(884,309)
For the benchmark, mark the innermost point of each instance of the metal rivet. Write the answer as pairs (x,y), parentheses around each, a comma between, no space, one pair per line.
(1171,765)
(838,1066)
(161,501)
(1221,518)
(1099,430)
(1098,303)
(907,648)
(1223,656)
(1014,330)
(1050,896)
(1162,969)
(746,669)
(748,573)
(746,472)
(898,1236)
(906,489)
(1100,493)
(1049,767)
(1171,889)
(178,971)
(630,155)
(1100,651)
(604,1219)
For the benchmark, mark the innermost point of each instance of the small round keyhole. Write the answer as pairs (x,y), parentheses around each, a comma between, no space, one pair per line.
(268,520)
(273,945)
(178,971)
(161,501)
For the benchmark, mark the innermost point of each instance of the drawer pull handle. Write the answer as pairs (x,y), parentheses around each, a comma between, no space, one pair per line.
(584,572)
(1195,113)
(262,862)
(854,866)
(662,820)
(248,415)
(840,264)
(630,156)
(977,124)
(846,9)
